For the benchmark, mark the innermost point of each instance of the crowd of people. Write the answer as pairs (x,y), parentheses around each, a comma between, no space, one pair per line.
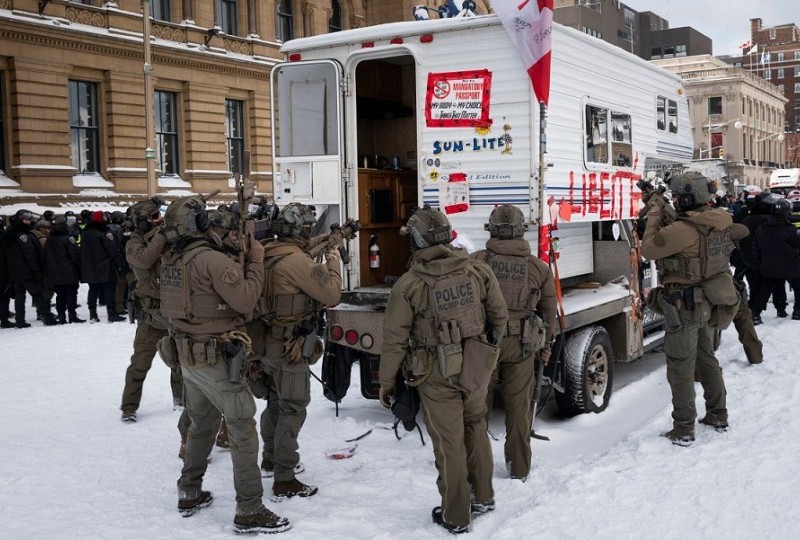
(49,256)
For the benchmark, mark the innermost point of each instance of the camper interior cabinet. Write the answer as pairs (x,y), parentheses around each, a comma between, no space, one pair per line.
(386,200)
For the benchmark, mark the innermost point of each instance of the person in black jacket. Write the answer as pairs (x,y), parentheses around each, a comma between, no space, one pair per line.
(5,284)
(777,249)
(62,260)
(101,261)
(25,268)
(759,213)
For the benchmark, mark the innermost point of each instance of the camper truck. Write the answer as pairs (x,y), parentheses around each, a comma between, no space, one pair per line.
(372,123)
(783,181)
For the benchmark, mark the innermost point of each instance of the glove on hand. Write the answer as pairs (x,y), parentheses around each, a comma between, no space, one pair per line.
(544,355)
(383,396)
(256,252)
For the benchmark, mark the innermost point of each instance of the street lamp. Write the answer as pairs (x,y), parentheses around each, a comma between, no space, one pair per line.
(736,124)
(757,143)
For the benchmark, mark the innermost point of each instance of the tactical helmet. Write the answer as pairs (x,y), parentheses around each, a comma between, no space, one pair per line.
(294,219)
(185,218)
(117,217)
(223,218)
(427,227)
(505,222)
(60,224)
(145,213)
(48,215)
(781,207)
(691,189)
(21,217)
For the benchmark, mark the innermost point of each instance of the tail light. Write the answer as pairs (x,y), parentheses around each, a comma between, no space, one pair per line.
(351,337)
(336,332)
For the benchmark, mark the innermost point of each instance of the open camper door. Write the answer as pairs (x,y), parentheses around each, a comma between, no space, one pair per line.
(307,105)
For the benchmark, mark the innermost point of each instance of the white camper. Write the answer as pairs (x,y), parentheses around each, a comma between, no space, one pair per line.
(371,123)
(782,181)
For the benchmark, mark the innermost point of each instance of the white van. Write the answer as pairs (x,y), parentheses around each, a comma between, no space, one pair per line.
(782,181)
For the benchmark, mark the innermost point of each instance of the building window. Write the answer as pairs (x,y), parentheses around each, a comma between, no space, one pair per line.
(680,50)
(767,74)
(227,13)
(335,22)
(773,33)
(797,88)
(166,104)
(630,18)
(781,89)
(284,21)
(780,57)
(715,105)
(234,131)
(84,127)
(780,73)
(655,53)
(744,106)
(797,71)
(162,10)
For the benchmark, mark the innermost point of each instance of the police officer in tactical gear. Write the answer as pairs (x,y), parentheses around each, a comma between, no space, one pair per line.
(444,322)
(529,291)
(698,297)
(296,289)
(206,295)
(26,268)
(143,253)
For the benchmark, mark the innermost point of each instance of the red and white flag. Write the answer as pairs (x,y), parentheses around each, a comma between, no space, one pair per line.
(745,45)
(530,25)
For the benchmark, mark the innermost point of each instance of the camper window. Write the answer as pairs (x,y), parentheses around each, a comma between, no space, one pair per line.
(309,93)
(596,135)
(673,116)
(661,113)
(621,139)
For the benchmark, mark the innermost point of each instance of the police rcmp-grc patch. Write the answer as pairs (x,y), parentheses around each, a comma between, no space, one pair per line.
(110,236)
(231,275)
(23,238)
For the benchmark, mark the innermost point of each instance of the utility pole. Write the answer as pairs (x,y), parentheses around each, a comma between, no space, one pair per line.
(149,152)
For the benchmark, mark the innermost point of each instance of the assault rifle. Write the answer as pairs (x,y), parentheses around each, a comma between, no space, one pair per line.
(656,196)
(334,240)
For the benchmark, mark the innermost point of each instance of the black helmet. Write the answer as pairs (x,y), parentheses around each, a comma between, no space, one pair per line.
(427,227)
(691,190)
(505,222)
(22,217)
(782,208)
(60,224)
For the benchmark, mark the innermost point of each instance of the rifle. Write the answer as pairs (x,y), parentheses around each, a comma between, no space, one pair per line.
(245,189)
(656,196)
(334,240)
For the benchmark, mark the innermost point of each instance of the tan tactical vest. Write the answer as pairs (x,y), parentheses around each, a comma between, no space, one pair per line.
(512,275)
(714,259)
(179,302)
(285,309)
(454,312)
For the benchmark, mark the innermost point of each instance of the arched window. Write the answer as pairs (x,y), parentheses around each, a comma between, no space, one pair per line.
(335,22)
(284,21)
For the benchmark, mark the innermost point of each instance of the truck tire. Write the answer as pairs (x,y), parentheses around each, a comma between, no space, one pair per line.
(588,372)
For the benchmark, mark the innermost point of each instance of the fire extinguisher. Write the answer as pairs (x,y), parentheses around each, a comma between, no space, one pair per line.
(374,252)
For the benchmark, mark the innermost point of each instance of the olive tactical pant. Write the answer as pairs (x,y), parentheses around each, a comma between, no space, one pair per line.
(743,322)
(283,417)
(690,353)
(456,422)
(514,373)
(209,392)
(144,350)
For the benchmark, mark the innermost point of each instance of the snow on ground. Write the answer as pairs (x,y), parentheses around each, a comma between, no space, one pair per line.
(71,469)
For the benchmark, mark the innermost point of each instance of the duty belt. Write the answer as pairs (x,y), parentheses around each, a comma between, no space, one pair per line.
(680,296)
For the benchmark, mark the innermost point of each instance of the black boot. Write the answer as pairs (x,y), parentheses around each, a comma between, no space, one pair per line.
(113,316)
(49,319)
(93,315)
(73,318)
(62,318)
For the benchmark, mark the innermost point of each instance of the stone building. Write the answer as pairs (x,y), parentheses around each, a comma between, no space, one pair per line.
(72,91)
(736,115)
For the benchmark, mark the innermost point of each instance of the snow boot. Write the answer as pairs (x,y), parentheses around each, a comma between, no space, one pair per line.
(796,315)
(720,424)
(480,508)
(782,313)
(22,324)
(129,417)
(262,521)
(93,316)
(113,316)
(268,468)
(757,319)
(292,488)
(5,323)
(49,319)
(189,506)
(73,318)
(679,437)
(436,515)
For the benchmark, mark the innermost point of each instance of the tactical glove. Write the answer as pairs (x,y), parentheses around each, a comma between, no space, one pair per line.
(256,252)
(383,396)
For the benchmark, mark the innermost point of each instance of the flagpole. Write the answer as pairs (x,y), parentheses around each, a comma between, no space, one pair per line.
(544,229)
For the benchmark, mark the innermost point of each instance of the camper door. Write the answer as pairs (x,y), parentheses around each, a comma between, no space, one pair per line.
(307,132)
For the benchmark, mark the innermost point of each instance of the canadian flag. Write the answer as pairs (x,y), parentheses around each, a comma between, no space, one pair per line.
(745,45)
(530,25)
